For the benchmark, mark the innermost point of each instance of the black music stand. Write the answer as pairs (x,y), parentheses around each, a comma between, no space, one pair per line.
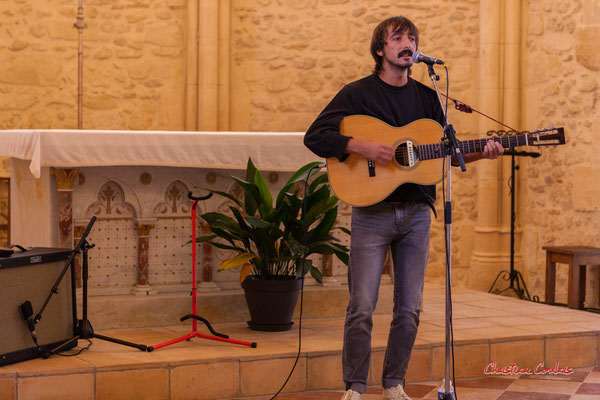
(84,329)
(514,276)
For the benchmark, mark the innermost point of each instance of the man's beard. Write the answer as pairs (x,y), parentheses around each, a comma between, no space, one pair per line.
(397,64)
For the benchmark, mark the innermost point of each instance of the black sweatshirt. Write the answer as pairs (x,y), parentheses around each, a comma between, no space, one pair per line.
(396,106)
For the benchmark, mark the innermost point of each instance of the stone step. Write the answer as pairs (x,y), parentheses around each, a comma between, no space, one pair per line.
(163,309)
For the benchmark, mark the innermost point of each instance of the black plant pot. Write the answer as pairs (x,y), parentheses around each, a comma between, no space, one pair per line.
(271,303)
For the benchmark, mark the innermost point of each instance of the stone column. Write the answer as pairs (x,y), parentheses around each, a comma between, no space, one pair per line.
(511,114)
(206,271)
(191,66)
(487,259)
(142,286)
(328,279)
(386,277)
(208,69)
(64,185)
(224,60)
(78,229)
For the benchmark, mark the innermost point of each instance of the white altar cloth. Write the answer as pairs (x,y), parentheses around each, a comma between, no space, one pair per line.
(275,151)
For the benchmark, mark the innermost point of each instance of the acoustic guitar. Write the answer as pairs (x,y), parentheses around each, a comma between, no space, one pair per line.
(419,155)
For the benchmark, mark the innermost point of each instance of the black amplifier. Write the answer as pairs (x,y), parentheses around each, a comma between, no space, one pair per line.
(30,276)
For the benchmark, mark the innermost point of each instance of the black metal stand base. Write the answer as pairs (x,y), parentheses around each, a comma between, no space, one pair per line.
(83,328)
(445,396)
(86,331)
(512,276)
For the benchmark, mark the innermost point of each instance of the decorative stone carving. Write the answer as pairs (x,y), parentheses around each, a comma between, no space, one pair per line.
(211,178)
(64,178)
(111,203)
(64,183)
(142,286)
(175,202)
(145,178)
(273,177)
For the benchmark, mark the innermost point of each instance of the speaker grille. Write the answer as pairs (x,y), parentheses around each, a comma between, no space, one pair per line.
(34,282)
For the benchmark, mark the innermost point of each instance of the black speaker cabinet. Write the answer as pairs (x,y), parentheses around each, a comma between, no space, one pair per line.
(30,275)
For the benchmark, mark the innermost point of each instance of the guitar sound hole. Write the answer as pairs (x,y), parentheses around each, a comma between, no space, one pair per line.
(403,154)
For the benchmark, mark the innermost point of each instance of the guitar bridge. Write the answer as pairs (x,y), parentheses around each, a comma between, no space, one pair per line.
(371,166)
(411,159)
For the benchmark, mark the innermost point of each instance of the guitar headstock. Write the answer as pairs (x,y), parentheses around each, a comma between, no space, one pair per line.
(546,137)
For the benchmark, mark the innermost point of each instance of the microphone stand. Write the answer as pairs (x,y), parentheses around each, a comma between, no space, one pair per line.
(83,328)
(513,275)
(451,144)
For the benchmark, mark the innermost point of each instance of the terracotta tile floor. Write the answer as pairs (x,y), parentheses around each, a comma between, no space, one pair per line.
(583,384)
(488,328)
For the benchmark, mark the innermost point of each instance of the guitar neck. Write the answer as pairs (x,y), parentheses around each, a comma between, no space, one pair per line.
(477,145)
(432,151)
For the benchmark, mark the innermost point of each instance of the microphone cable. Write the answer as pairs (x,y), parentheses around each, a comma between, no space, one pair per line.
(318,166)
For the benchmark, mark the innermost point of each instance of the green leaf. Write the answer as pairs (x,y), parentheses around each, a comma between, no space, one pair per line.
(204,238)
(223,234)
(319,180)
(251,195)
(302,267)
(238,216)
(236,261)
(325,225)
(226,195)
(257,222)
(313,198)
(341,228)
(266,201)
(315,273)
(343,256)
(221,220)
(250,170)
(300,175)
(226,246)
(318,209)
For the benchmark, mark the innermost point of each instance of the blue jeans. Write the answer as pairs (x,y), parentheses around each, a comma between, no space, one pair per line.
(405,228)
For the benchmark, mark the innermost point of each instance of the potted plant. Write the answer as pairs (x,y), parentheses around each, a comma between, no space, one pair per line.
(272,237)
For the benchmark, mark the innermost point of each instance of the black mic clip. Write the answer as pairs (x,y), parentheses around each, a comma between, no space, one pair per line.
(26,311)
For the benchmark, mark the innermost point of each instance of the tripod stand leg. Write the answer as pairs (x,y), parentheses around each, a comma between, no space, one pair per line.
(520,278)
(141,347)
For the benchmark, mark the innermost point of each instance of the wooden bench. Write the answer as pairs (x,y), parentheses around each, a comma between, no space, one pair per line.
(577,257)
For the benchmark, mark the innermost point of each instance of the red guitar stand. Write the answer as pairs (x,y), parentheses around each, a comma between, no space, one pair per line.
(195,318)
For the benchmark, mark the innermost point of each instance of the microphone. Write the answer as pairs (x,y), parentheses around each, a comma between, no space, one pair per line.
(27,313)
(418,57)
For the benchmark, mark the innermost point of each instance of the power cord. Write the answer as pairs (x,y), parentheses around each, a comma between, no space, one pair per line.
(318,166)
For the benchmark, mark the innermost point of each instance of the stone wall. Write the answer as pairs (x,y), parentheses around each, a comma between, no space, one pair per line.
(560,202)
(287,58)
(133,64)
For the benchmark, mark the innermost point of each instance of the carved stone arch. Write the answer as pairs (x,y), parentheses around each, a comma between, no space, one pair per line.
(175,201)
(110,203)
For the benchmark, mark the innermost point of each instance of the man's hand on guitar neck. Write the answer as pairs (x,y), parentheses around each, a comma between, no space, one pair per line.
(491,151)
(380,153)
